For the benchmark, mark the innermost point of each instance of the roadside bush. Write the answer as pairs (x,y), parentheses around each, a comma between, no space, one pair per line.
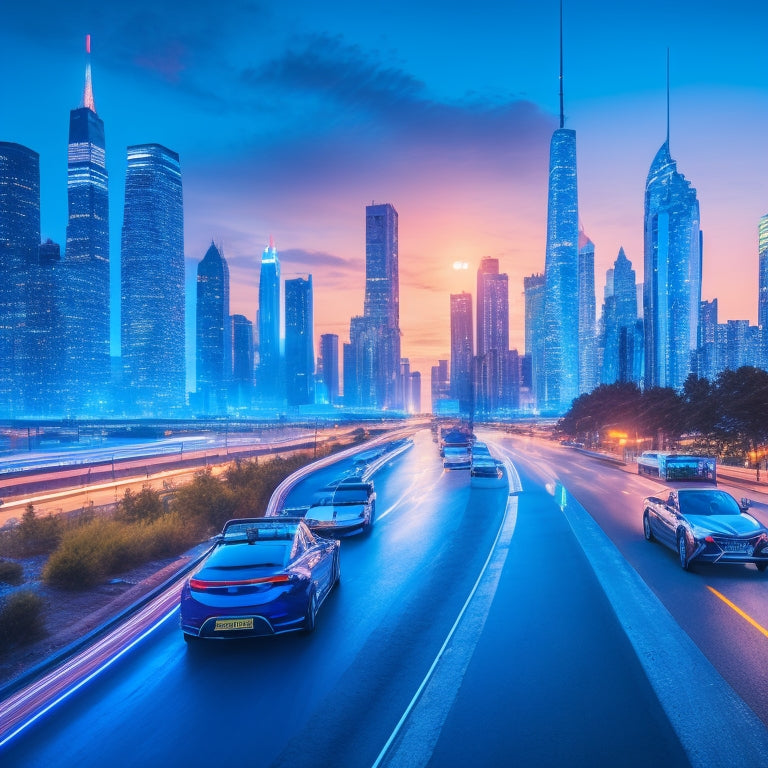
(104,547)
(21,619)
(144,506)
(11,572)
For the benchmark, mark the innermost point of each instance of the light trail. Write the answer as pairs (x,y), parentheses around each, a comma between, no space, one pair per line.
(759,627)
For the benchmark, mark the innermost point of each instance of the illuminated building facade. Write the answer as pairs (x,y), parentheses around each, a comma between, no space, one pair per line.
(19,242)
(268,379)
(588,373)
(462,357)
(152,283)
(86,267)
(214,345)
(299,341)
(762,296)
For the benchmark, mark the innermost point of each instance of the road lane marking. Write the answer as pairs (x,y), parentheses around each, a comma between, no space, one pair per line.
(436,693)
(759,627)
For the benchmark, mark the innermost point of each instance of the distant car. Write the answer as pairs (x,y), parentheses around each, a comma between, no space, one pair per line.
(457,457)
(264,576)
(706,525)
(342,508)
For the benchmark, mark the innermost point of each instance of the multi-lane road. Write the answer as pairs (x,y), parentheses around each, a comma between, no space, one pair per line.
(526,625)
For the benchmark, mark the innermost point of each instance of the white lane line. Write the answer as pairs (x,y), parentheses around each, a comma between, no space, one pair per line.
(435,695)
(408,494)
(714,724)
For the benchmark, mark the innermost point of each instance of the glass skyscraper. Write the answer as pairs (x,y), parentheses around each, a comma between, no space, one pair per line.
(86,266)
(461,351)
(242,362)
(672,275)
(329,353)
(214,344)
(152,283)
(491,385)
(268,378)
(561,270)
(619,324)
(382,302)
(299,341)
(762,296)
(587,316)
(19,243)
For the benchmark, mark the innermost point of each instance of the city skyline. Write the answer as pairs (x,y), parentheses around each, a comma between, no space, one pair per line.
(457,143)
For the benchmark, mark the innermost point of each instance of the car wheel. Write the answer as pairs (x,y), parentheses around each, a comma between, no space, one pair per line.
(309,619)
(682,551)
(761,566)
(647,532)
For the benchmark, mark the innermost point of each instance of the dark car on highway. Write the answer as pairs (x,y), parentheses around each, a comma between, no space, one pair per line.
(706,525)
(264,576)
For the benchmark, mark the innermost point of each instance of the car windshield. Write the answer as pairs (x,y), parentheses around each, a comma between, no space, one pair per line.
(707,503)
(243,555)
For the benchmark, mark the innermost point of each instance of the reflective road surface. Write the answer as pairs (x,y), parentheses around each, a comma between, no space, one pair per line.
(473,627)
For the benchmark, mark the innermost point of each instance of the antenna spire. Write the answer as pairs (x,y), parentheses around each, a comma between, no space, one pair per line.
(562,113)
(88,89)
(667,98)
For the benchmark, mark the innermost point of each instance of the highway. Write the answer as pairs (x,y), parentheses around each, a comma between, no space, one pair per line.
(527,625)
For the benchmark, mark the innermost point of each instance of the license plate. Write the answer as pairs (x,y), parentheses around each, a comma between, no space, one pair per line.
(737,547)
(225,625)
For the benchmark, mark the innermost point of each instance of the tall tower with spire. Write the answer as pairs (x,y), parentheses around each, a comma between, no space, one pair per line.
(561,270)
(269,375)
(86,273)
(672,270)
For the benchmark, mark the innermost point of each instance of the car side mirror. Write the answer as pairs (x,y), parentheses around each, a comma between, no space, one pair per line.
(745,502)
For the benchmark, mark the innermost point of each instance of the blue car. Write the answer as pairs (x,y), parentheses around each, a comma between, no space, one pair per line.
(264,576)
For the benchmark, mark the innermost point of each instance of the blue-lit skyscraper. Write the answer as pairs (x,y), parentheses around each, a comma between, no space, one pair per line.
(242,362)
(588,373)
(19,242)
(329,354)
(299,341)
(561,272)
(619,341)
(490,380)
(382,302)
(152,283)
(214,343)
(268,377)
(672,275)
(762,296)
(86,266)
(462,358)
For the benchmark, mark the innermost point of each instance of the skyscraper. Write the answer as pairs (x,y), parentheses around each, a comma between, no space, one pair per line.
(587,316)
(461,351)
(268,378)
(619,343)
(561,301)
(382,302)
(86,266)
(762,296)
(299,341)
(329,352)
(672,275)
(43,332)
(19,242)
(152,283)
(242,362)
(214,345)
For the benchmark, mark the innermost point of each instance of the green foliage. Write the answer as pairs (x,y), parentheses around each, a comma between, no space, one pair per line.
(11,572)
(726,416)
(32,536)
(21,619)
(144,506)
(99,548)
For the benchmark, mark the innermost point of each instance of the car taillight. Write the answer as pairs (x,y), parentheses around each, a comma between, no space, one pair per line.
(201,585)
(709,540)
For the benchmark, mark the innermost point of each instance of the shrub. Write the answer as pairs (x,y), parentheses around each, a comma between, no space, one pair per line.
(11,572)
(144,506)
(21,619)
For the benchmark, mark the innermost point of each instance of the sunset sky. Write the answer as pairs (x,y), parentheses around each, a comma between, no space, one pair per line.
(290,117)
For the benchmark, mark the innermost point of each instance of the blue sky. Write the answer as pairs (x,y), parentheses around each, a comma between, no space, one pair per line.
(290,117)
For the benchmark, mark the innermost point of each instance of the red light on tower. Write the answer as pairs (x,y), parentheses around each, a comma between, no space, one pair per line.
(87,43)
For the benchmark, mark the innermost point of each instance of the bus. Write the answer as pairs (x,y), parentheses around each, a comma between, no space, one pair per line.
(677,466)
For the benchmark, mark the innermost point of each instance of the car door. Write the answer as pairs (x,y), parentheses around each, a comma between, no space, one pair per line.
(667,520)
(319,555)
